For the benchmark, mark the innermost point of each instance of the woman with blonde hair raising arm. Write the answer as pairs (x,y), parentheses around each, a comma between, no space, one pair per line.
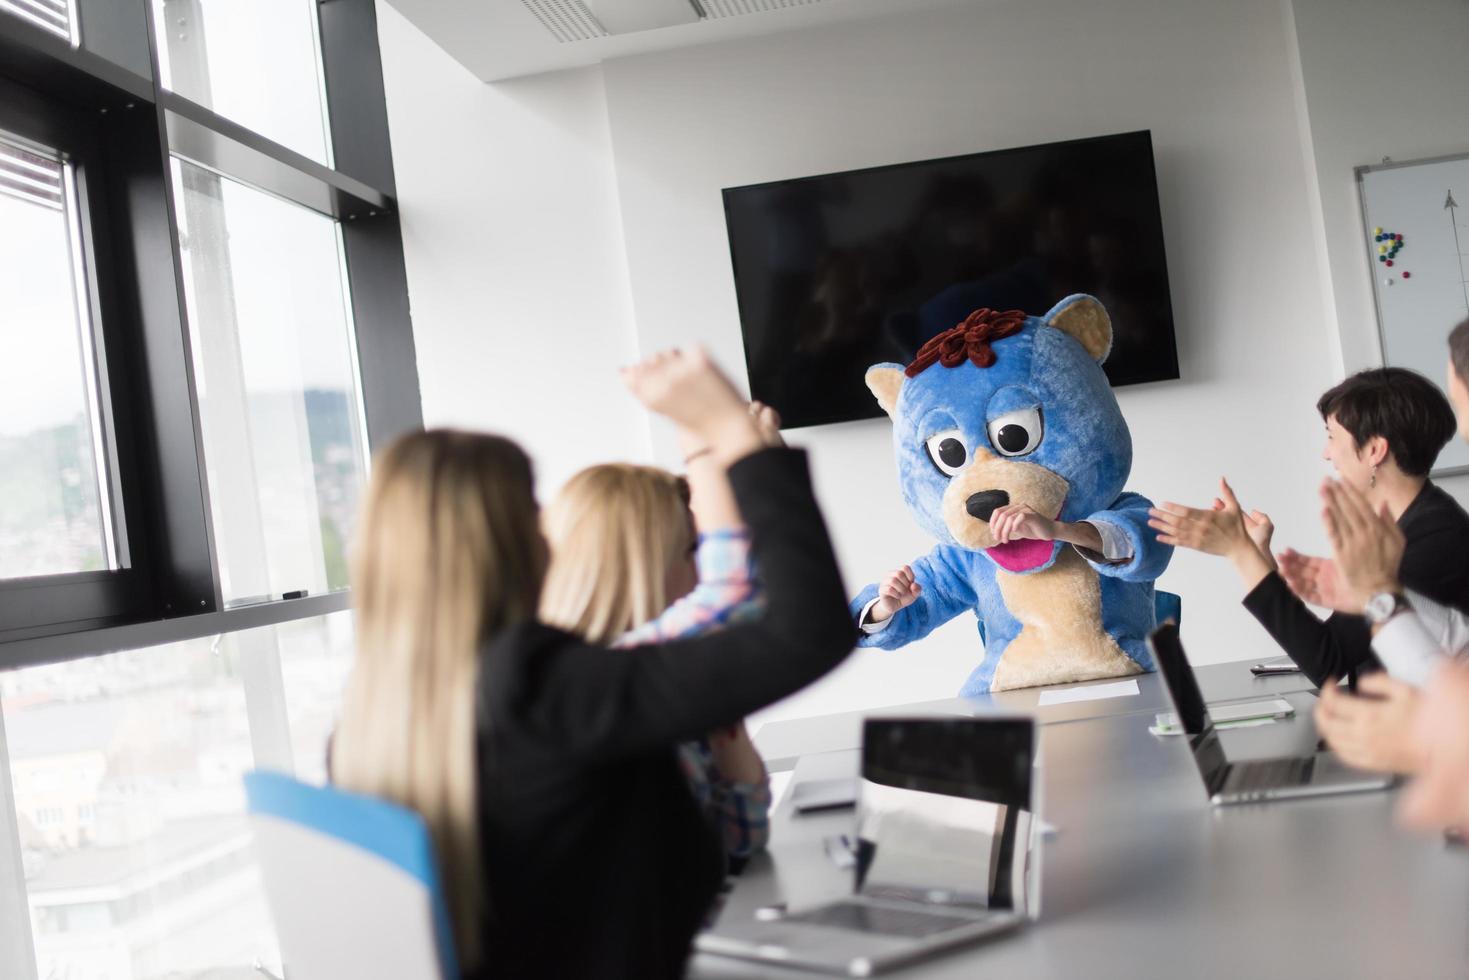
(568,837)
(636,560)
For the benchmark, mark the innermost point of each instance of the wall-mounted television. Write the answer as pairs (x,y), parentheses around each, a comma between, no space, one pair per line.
(839,272)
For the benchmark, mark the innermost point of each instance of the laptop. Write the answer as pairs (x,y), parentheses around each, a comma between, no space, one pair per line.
(946,852)
(1252,780)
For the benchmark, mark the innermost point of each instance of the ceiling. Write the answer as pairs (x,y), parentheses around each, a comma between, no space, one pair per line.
(501,39)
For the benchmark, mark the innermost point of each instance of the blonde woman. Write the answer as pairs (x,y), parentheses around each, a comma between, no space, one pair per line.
(545,766)
(628,569)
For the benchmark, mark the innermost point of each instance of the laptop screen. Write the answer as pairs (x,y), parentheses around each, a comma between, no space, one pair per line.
(945,812)
(1188,700)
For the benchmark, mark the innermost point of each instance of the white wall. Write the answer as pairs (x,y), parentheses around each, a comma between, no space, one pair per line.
(1212,81)
(1380,80)
(513,245)
(597,191)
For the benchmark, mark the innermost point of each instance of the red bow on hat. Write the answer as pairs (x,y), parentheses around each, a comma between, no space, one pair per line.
(970,339)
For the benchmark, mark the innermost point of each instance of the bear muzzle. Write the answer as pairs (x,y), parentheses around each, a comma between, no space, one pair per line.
(983,504)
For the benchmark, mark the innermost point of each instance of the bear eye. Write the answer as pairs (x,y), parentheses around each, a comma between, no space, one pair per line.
(947,450)
(1017,433)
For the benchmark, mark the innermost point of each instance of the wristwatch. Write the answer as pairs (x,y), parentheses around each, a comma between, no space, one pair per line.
(1384,606)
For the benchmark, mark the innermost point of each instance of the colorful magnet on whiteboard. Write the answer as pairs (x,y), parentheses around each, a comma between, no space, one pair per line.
(1389,263)
(1382,249)
(1376,231)
(1387,282)
(1407,275)
(1382,258)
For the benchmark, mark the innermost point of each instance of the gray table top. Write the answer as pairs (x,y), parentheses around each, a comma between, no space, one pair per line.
(1143,878)
(781,743)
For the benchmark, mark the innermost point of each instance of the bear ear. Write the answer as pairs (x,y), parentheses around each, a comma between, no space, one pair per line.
(1084,318)
(885,380)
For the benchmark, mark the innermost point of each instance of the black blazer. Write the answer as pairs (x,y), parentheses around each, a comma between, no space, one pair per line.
(1437,533)
(597,861)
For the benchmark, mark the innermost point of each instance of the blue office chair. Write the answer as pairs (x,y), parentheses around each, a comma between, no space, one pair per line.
(1167,605)
(352,883)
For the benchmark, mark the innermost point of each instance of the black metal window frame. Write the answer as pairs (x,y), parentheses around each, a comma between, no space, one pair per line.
(100,103)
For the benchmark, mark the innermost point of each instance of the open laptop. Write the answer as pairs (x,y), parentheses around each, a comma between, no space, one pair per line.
(1251,780)
(947,851)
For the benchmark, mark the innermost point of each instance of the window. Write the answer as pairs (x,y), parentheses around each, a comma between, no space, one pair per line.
(203,321)
(55,16)
(274,366)
(55,509)
(216,53)
(159,880)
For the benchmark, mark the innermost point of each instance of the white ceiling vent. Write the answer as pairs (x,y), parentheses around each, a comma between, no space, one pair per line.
(734,8)
(568,20)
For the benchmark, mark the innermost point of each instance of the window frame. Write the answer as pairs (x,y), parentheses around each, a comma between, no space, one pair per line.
(40,604)
(90,101)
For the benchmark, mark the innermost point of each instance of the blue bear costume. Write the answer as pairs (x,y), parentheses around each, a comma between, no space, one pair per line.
(1009,408)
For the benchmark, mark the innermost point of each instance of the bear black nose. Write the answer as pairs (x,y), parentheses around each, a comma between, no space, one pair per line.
(983,504)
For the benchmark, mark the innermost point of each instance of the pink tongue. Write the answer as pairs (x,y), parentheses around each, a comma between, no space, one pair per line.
(1022,555)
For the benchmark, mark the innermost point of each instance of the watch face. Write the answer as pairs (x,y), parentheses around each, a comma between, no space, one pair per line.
(1380,606)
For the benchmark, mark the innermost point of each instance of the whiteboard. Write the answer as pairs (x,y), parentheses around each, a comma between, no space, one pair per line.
(1425,292)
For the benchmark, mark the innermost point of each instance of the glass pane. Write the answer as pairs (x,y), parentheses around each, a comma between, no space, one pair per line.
(126,771)
(54,15)
(257,63)
(275,369)
(53,510)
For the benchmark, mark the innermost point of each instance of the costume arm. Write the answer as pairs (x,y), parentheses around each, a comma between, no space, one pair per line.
(1128,517)
(945,595)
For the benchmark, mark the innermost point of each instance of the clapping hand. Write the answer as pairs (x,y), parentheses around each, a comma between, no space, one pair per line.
(688,389)
(1367,544)
(1316,580)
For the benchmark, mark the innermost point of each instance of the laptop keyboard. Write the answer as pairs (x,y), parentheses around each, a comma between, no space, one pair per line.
(884,921)
(1263,774)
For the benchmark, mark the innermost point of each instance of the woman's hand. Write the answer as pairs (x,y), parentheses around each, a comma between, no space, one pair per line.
(767,420)
(1225,529)
(1260,529)
(1368,545)
(1315,580)
(688,389)
(1221,530)
(1439,798)
(735,755)
(1375,730)
(1014,522)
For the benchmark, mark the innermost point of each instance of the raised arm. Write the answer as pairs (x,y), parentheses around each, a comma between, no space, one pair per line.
(602,702)
(599,702)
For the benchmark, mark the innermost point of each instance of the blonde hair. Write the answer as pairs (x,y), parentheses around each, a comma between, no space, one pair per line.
(447,554)
(615,530)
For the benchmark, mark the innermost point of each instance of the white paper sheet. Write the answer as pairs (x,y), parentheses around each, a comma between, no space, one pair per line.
(1096,692)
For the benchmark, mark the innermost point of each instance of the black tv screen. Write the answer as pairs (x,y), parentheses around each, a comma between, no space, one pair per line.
(840,272)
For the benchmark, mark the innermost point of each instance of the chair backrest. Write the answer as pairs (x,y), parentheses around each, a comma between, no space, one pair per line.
(352,882)
(1167,606)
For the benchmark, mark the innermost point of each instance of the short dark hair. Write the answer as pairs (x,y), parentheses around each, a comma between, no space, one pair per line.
(1402,406)
(1459,351)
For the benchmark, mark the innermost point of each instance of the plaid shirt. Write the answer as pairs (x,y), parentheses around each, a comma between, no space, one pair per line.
(727,593)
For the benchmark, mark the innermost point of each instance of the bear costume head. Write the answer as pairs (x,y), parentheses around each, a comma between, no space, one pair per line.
(1007,408)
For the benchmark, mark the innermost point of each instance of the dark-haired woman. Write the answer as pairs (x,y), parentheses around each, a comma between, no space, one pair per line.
(1384,430)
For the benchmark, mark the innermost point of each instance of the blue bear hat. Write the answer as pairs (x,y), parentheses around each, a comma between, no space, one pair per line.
(1007,408)
(1039,381)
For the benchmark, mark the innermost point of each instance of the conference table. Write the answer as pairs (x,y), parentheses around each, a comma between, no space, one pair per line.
(1141,876)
